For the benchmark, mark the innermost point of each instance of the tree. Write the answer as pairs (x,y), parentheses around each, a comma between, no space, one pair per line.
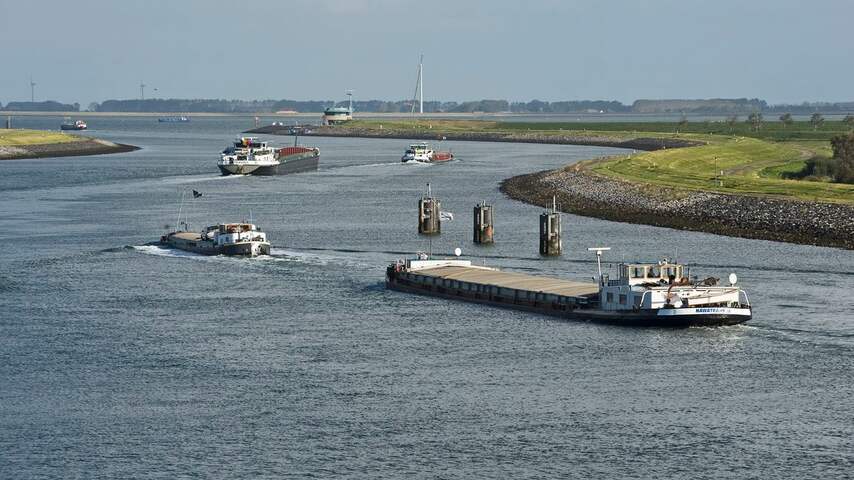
(843,153)
(816,120)
(848,120)
(683,122)
(786,118)
(731,121)
(755,120)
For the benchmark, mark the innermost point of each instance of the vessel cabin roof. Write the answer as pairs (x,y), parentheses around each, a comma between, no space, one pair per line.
(235,227)
(247,141)
(651,271)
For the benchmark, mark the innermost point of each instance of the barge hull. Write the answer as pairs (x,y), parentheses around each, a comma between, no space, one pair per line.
(578,308)
(307,163)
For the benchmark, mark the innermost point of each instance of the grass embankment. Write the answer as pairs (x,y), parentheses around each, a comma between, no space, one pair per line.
(753,161)
(17,138)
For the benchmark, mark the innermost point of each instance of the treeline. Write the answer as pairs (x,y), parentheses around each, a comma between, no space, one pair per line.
(47,106)
(709,106)
(714,106)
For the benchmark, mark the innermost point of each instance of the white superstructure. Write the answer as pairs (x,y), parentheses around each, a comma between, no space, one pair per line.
(418,152)
(668,287)
(246,155)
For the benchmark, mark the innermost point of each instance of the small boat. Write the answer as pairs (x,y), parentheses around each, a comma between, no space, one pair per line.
(78,125)
(233,239)
(249,156)
(661,294)
(423,153)
(177,119)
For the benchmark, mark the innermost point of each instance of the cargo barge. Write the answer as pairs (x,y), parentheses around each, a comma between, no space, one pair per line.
(249,156)
(232,239)
(644,295)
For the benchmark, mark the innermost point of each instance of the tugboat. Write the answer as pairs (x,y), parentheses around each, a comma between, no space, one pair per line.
(248,156)
(233,239)
(68,125)
(422,153)
(661,294)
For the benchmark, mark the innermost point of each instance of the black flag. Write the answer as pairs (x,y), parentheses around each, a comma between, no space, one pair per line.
(196,194)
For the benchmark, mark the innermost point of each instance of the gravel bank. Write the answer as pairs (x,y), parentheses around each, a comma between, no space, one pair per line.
(89,146)
(584,193)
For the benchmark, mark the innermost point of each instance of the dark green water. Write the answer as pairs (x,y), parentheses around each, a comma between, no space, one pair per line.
(119,359)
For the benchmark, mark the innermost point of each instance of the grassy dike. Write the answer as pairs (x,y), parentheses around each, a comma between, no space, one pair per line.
(717,157)
(703,176)
(21,144)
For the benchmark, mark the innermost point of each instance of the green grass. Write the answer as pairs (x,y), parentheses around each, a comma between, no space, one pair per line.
(15,138)
(749,166)
(753,161)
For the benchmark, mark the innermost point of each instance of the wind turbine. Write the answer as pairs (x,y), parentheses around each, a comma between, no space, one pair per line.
(32,90)
(142,91)
(419,88)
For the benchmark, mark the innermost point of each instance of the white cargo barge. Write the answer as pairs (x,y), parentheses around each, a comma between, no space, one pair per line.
(658,294)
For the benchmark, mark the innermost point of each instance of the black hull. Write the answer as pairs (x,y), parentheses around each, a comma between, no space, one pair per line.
(625,319)
(295,165)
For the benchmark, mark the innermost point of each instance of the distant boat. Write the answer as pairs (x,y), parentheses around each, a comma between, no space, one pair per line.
(178,119)
(333,115)
(78,125)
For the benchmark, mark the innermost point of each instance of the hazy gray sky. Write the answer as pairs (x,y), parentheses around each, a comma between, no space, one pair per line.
(83,51)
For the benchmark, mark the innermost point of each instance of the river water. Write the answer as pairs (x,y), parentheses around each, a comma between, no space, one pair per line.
(121,359)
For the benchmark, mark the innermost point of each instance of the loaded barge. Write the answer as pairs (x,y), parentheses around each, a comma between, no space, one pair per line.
(651,295)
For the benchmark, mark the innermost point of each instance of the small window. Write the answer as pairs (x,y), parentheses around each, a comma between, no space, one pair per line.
(623,299)
(610,297)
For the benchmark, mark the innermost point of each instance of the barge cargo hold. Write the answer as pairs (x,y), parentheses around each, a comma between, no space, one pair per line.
(655,303)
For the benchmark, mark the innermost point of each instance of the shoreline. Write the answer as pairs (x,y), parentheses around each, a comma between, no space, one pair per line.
(582,192)
(83,147)
(639,143)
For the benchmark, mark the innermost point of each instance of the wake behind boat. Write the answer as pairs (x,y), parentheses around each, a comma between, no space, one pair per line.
(249,156)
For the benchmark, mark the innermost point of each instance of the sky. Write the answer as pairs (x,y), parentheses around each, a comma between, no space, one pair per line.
(782,51)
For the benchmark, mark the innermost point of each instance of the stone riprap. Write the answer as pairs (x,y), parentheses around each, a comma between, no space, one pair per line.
(583,192)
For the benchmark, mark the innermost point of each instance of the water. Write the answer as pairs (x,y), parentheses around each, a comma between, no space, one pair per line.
(121,359)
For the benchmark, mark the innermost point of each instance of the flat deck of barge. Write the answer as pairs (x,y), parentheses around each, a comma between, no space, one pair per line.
(512,280)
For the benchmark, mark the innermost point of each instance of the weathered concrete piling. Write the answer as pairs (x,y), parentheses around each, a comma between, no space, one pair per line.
(483,223)
(550,242)
(429,216)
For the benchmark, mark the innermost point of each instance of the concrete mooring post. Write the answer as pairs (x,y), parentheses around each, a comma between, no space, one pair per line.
(429,218)
(550,242)
(483,226)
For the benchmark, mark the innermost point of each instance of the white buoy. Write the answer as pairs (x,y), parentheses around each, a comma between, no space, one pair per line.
(733,278)
(458,251)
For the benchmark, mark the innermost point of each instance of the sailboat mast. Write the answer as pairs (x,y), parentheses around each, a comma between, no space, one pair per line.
(421,83)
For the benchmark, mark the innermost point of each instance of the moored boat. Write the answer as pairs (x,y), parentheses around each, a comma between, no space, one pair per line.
(249,156)
(233,239)
(658,294)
